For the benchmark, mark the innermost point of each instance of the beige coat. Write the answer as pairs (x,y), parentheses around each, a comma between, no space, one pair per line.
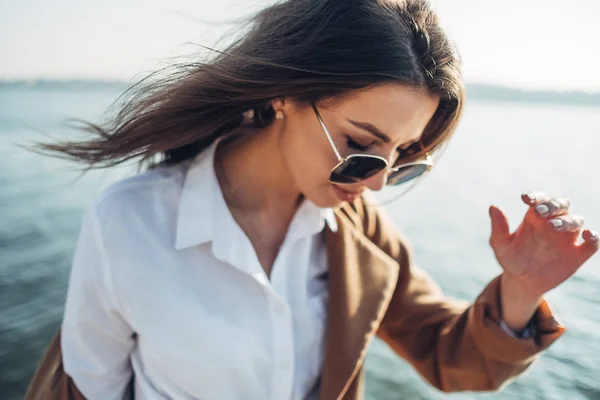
(376,289)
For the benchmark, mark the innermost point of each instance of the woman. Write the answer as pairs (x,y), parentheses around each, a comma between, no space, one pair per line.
(249,263)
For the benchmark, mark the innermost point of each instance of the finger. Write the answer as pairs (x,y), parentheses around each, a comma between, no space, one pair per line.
(554,207)
(535,197)
(500,229)
(567,223)
(590,236)
(590,245)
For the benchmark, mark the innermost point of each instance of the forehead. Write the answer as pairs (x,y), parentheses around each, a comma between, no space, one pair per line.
(398,111)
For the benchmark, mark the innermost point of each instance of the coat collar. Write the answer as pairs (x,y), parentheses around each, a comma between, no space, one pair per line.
(362,280)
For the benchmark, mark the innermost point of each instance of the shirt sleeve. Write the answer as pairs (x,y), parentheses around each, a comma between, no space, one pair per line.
(96,341)
(525,333)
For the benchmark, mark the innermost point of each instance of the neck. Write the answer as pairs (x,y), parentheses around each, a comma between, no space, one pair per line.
(253,174)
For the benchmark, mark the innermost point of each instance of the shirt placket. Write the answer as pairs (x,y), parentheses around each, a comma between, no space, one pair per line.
(282,373)
(282,327)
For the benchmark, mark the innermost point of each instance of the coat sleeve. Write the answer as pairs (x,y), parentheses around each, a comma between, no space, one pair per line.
(50,382)
(454,345)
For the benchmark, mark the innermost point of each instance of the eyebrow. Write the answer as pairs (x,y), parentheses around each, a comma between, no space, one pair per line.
(376,132)
(371,129)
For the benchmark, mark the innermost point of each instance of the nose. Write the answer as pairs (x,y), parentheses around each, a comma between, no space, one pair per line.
(377,181)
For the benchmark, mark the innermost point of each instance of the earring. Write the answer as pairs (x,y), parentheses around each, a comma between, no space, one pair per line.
(279,115)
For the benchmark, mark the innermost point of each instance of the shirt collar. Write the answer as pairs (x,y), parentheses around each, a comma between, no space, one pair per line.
(202,207)
(194,222)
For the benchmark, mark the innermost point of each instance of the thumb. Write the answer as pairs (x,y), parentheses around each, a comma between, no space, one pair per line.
(500,236)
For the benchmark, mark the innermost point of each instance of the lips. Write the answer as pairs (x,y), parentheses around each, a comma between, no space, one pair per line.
(346,195)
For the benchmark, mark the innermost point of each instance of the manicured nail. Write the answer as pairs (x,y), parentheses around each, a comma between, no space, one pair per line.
(557,223)
(593,236)
(542,209)
(530,196)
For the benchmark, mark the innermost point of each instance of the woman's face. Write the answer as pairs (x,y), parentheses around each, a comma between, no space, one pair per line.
(356,123)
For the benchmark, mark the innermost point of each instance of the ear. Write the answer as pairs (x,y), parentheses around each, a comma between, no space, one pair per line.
(278,104)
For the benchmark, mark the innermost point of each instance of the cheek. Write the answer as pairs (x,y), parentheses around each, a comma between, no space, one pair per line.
(309,167)
(304,164)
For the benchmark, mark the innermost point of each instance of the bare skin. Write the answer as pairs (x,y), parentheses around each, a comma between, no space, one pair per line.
(266,175)
(538,256)
(273,169)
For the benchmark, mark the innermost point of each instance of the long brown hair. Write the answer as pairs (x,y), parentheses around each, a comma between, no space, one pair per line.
(303,49)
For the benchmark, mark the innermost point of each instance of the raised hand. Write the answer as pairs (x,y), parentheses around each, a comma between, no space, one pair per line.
(540,254)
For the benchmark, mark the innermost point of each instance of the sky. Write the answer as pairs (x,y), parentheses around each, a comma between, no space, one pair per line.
(533,44)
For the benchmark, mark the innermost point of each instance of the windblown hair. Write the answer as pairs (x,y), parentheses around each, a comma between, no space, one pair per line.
(308,50)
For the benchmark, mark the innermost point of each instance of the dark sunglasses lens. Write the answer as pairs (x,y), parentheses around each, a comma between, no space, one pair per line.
(357,169)
(405,174)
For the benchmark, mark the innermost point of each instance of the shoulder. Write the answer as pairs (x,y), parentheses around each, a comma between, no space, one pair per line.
(372,220)
(143,200)
(145,183)
(364,213)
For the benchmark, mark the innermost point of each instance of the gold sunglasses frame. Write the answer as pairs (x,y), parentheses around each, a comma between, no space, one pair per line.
(428,161)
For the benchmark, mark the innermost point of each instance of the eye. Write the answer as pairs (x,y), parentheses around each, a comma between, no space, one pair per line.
(352,144)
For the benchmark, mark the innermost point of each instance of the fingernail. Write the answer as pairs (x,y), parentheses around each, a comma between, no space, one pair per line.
(530,196)
(557,223)
(542,209)
(594,236)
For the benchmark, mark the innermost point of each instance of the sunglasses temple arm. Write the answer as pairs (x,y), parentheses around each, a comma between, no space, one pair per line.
(335,150)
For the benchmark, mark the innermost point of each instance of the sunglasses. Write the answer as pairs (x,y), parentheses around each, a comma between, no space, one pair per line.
(359,167)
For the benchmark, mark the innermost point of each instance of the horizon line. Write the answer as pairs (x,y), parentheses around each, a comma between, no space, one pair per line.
(474,83)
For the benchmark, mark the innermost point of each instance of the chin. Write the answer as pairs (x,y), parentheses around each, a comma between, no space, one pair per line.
(329,197)
(323,198)
(326,202)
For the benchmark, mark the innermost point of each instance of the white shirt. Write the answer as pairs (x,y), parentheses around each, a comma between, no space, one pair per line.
(167,287)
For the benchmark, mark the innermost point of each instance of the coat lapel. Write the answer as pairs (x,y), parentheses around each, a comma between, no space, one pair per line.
(362,279)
